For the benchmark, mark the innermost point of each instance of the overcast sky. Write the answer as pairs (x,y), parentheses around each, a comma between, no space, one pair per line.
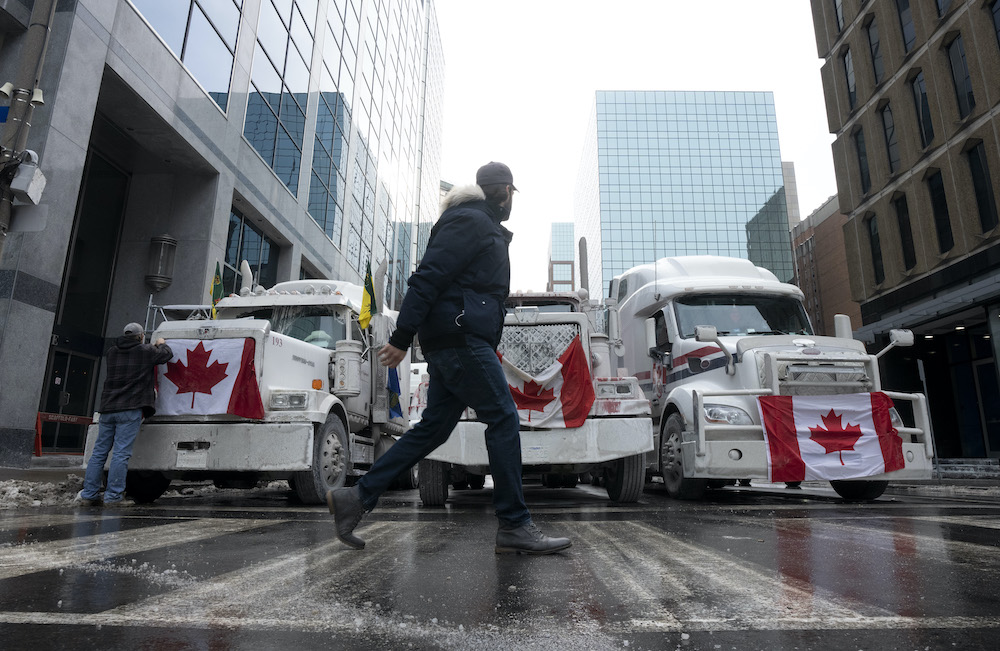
(521,77)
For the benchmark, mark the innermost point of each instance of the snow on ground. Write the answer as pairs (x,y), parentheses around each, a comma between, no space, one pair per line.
(21,493)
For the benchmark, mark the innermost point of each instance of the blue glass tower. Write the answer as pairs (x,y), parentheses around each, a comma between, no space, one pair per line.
(669,173)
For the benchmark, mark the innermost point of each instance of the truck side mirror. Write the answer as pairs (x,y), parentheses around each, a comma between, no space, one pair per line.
(901,337)
(897,338)
(705,333)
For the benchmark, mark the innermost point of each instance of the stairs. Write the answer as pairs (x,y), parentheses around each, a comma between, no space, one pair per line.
(968,468)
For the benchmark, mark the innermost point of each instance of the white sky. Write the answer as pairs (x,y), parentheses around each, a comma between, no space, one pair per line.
(521,77)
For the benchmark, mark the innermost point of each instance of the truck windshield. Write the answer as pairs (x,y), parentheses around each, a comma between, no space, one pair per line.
(322,325)
(742,314)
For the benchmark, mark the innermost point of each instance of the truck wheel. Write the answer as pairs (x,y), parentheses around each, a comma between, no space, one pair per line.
(678,486)
(144,486)
(331,463)
(409,480)
(859,491)
(434,480)
(568,480)
(476,482)
(626,477)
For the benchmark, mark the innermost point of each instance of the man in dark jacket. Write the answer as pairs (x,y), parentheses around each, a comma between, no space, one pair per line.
(455,303)
(127,398)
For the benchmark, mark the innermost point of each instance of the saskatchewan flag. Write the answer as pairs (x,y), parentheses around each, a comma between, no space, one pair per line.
(216,288)
(392,385)
(368,304)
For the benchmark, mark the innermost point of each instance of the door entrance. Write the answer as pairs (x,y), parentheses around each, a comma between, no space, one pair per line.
(81,319)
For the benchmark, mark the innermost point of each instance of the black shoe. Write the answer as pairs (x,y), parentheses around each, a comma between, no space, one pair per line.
(347,510)
(528,539)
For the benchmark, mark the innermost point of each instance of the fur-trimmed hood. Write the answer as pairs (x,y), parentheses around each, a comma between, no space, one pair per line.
(462,194)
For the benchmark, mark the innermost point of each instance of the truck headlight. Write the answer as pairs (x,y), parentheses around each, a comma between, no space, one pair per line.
(287,401)
(619,390)
(727,415)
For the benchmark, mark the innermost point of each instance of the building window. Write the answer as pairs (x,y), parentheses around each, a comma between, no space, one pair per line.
(960,75)
(906,24)
(859,143)
(905,232)
(939,205)
(247,242)
(996,19)
(852,90)
(943,6)
(891,143)
(202,33)
(875,47)
(876,247)
(838,10)
(923,108)
(279,86)
(983,186)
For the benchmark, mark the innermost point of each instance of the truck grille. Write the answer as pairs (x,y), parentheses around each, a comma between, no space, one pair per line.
(796,376)
(536,347)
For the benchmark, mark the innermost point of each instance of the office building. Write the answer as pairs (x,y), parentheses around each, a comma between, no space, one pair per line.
(668,173)
(300,135)
(562,270)
(913,98)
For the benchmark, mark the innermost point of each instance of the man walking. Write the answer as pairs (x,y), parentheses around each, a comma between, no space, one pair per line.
(127,398)
(455,303)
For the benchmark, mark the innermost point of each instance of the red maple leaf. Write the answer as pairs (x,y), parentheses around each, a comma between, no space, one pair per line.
(533,398)
(836,438)
(197,376)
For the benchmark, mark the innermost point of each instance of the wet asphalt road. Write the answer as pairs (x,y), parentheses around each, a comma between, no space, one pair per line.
(746,569)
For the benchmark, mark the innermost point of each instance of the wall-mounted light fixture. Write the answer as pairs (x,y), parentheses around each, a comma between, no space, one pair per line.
(160,272)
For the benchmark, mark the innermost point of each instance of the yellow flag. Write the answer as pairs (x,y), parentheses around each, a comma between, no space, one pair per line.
(368,304)
(216,289)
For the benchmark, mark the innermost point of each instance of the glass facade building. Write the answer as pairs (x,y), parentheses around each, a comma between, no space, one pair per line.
(372,75)
(561,256)
(668,173)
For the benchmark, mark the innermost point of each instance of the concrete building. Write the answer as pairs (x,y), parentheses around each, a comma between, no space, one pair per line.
(300,135)
(913,98)
(562,268)
(821,267)
(682,173)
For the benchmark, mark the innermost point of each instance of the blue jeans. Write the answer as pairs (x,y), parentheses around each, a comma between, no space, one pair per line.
(460,377)
(116,430)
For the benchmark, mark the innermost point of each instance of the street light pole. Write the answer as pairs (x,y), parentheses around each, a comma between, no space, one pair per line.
(24,95)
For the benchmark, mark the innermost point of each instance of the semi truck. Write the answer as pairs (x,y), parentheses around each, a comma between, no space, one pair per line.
(282,385)
(577,416)
(711,338)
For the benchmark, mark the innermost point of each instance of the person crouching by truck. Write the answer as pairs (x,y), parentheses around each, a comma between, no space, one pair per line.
(127,398)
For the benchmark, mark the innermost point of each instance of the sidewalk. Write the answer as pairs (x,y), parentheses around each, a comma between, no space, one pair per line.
(55,467)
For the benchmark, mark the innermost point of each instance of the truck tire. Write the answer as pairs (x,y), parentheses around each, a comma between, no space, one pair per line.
(331,462)
(145,486)
(859,491)
(678,486)
(434,480)
(626,478)
(476,482)
(409,480)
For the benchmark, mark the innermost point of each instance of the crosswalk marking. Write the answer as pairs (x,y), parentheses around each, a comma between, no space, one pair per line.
(42,556)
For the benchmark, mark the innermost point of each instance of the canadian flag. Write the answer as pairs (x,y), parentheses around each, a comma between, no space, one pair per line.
(829,437)
(559,396)
(209,377)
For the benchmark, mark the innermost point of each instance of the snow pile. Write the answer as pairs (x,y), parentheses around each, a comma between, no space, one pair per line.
(18,493)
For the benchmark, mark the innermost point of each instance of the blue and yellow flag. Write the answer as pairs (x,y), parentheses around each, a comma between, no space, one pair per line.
(392,384)
(368,304)
(216,289)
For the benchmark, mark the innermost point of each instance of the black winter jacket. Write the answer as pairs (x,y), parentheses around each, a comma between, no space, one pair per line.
(459,288)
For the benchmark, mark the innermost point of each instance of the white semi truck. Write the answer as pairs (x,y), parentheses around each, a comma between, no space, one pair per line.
(282,385)
(577,416)
(707,336)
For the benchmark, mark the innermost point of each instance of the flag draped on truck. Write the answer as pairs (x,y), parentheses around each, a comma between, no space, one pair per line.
(559,396)
(209,377)
(847,436)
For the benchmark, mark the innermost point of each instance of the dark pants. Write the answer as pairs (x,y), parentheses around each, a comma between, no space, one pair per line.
(470,376)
